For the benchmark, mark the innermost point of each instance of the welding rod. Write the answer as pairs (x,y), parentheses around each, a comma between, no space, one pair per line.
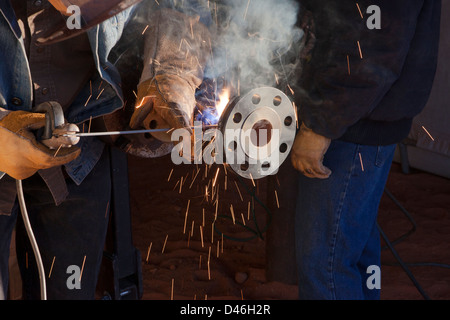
(114,133)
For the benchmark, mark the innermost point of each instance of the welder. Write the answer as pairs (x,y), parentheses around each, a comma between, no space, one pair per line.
(45,57)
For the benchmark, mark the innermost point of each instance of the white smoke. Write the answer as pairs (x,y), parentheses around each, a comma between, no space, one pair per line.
(252,37)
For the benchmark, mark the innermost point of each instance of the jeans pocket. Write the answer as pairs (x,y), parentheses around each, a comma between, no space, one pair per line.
(384,154)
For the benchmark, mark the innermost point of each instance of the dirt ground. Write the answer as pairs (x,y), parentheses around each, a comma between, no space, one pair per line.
(186,256)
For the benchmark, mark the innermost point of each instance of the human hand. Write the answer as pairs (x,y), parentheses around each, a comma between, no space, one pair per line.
(308,152)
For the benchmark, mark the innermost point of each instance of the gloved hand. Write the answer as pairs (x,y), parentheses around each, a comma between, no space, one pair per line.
(176,50)
(21,155)
(308,152)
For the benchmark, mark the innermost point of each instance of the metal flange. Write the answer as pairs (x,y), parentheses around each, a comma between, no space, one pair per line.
(258,129)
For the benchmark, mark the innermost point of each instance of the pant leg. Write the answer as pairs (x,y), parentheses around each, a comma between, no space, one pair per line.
(72,233)
(335,221)
(7,223)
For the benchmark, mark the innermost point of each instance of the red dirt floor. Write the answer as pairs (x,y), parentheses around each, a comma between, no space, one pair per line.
(182,259)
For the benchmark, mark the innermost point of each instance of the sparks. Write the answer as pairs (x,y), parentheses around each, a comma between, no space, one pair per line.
(246,9)
(348,64)
(360,12)
(215,178)
(360,51)
(148,251)
(82,268)
(431,137)
(360,159)
(54,156)
(51,268)
(164,246)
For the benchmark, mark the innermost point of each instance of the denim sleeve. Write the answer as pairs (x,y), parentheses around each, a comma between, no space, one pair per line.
(3,113)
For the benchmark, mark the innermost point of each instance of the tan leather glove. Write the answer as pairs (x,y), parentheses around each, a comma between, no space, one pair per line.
(308,152)
(21,155)
(176,51)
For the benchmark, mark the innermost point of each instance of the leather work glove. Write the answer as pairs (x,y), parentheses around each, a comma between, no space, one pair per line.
(21,155)
(177,47)
(308,152)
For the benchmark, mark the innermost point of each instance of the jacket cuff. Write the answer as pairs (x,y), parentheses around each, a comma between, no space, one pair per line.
(3,113)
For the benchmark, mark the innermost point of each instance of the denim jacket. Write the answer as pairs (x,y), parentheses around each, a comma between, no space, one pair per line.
(16,84)
(105,88)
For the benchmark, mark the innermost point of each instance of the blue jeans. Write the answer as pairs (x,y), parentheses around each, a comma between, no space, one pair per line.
(336,233)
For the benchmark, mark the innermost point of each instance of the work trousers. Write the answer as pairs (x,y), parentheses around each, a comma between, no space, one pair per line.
(337,239)
(70,236)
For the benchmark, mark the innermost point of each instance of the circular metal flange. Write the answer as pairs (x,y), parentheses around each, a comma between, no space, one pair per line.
(258,131)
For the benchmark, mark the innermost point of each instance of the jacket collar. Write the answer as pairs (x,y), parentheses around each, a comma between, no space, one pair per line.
(7,11)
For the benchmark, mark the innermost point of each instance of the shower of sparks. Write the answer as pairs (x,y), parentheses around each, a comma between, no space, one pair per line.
(348,64)
(186,216)
(253,181)
(290,89)
(98,97)
(87,101)
(203,217)
(54,156)
(239,191)
(218,248)
(246,9)
(148,251)
(82,268)
(201,236)
(232,214)
(164,246)
(360,51)
(171,290)
(276,197)
(181,185)
(360,12)
(243,219)
(360,159)
(198,170)
(428,133)
(107,209)
(296,114)
(141,103)
(51,268)
(215,178)
(90,122)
